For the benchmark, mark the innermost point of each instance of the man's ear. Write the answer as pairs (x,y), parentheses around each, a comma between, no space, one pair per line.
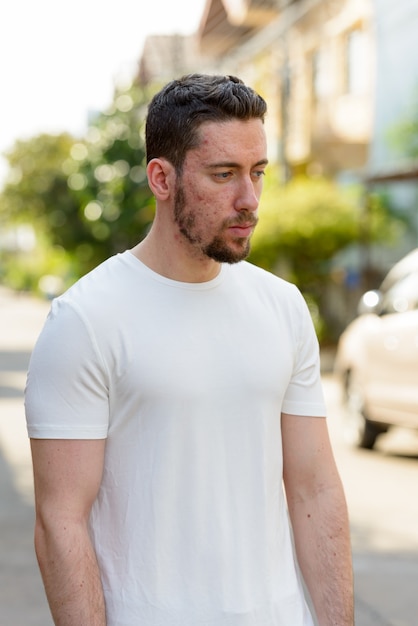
(161,178)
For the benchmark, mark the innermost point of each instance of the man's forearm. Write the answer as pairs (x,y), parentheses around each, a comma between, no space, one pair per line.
(71,576)
(322,540)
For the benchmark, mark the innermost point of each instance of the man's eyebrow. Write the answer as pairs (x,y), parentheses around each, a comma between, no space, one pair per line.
(262,162)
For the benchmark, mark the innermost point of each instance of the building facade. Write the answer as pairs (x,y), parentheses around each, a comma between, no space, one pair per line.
(314,62)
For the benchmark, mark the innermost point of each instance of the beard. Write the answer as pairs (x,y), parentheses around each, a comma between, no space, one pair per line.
(217,248)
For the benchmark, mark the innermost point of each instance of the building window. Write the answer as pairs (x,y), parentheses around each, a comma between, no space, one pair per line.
(356,62)
(320,76)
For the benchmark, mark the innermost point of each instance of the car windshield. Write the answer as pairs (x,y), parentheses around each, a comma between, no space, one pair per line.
(402,296)
(403,268)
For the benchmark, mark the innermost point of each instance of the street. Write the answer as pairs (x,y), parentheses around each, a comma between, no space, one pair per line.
(381,489)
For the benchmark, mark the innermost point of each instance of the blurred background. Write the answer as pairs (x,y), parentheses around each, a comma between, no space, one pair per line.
(339,211)
(340,78)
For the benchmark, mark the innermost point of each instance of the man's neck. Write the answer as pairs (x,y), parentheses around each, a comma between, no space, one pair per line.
(174,262)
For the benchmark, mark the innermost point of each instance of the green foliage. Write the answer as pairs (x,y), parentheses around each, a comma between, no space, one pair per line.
(35,194)
(403,136)
(107,175)
(37,185)
(88,198)
(47,270)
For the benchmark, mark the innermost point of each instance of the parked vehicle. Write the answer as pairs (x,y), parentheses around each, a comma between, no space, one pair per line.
(377,358)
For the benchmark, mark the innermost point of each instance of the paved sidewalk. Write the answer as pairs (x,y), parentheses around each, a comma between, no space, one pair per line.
(22,599)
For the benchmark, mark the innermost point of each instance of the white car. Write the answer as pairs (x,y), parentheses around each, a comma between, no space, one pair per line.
(377,358)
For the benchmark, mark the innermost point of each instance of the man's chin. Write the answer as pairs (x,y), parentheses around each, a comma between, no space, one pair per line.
(228,254)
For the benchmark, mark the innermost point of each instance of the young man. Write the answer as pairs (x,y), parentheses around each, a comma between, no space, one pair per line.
(172,391)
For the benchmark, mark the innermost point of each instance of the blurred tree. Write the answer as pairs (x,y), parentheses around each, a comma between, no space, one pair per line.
(37,185)
(86,199)
(36,196)
(107,176)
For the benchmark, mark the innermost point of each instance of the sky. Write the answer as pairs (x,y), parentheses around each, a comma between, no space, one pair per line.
(60,59)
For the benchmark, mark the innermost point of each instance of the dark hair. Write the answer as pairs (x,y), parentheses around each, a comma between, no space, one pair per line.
(176,113)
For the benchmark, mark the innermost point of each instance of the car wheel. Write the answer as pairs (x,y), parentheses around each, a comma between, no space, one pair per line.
(358,431)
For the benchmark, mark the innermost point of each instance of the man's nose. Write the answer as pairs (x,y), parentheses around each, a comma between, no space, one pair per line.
(248,198)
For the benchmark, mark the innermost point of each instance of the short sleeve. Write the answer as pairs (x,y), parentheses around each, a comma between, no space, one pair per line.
(304,395)
(66,395)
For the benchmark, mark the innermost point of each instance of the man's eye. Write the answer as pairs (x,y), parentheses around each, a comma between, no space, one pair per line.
(223,175)
(258,173)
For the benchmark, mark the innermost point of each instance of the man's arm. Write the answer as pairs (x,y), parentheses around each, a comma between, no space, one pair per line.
(67,476)
(319,518)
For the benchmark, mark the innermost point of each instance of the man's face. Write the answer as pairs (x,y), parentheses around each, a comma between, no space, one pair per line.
(217,196)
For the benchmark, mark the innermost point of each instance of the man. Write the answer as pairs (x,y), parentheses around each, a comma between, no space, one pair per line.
(171,392)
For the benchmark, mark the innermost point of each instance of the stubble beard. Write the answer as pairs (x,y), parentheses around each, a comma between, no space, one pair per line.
(216,249)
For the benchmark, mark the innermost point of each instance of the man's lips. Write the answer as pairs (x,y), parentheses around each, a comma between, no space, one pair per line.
(242,230)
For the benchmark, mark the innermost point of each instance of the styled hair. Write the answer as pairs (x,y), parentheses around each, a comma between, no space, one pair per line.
(176,113)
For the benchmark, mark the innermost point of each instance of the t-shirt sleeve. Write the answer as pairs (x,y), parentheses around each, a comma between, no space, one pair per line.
(304,395)
(66,395)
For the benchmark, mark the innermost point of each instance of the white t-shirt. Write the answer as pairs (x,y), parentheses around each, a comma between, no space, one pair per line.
(187,383)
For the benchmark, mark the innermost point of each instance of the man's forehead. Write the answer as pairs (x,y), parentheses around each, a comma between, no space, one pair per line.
(226,137)
(229,125)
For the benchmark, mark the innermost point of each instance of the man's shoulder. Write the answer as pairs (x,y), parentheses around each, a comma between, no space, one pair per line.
(101,290)
(262,277)
(112,274)
(267,288)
